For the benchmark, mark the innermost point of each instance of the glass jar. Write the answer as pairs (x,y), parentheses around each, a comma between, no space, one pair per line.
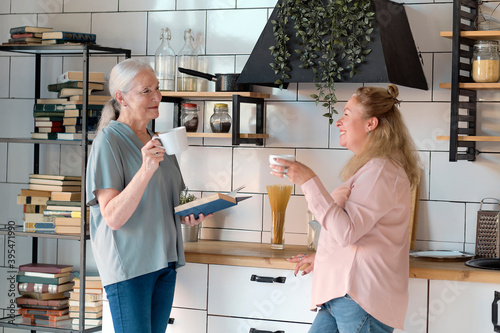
(187,59)
(189,117)
(165,62)
(220,121)
(486,61)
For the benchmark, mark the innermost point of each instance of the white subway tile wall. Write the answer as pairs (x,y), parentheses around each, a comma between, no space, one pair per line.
(229,29)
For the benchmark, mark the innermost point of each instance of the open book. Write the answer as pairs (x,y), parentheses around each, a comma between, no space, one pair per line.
(210,204)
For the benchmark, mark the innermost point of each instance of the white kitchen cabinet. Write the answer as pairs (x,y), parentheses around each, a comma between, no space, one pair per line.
(232,292)
(191,286)
(416,315)
(187,320)
(460,307)
(244,325)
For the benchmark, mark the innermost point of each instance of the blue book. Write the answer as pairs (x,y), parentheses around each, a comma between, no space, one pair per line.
(70,36)
(208,205)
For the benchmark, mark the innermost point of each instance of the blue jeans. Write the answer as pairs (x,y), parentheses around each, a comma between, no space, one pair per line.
(344,315)
(143,304)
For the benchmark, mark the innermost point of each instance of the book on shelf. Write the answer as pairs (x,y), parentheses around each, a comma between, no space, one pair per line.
(66,195)
(75,136)
(66,229)
(35,193)
(87,308)
(32,208)
(45,268)
(78,128)
(78,120)
(76,314)
(90,299)
(45,312)
(37,114)
(92,99)
(71,203)
(25,40)
(27,34)
(48,123)
(78,76)
(35,218)
(39,225)
(51,100)
(92,282)
(89,322)
(43,280)
(43,296)
(48,304)
(48,107)
(91,291)
(54,177)
(29,200)
(44,275)
(27,29)
(44,288)
(45,181)
(49,129)
(68,92)
(70,36)
(62,213)
(46,317)
(67,221)
(208,204)
(65,208)
(96,113)
(47,323)
(44,136)
(55,188)
(48,118)
(56,87)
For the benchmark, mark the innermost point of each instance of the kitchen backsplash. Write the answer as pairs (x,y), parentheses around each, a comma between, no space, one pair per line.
(450,192)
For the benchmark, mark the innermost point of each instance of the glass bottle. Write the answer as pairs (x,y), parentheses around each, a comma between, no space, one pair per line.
(220,121)
(189,117)
(486,61)
(187,59)
(165,62)
(202,84)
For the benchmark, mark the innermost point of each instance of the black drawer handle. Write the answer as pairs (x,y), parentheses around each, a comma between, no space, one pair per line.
(171,321)
(253,330)
(494,312)
(267,279)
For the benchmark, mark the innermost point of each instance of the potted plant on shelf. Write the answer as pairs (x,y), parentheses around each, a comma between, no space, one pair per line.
(332,36)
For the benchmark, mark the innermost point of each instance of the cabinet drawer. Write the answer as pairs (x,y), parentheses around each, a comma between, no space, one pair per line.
(186,320)
(233,293)
(191,287)
(240,325)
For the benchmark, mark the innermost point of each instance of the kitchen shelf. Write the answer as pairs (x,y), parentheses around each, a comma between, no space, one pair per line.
(43,141)
(239,97)
(470,138)
(473,86)
(474,34)
(19,232)
(66,326)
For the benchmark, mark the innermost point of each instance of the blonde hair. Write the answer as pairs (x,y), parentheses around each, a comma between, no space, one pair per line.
(121,79)
(390,139)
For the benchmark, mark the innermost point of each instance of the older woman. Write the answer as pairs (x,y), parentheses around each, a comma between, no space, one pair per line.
(132,189)
(361,266)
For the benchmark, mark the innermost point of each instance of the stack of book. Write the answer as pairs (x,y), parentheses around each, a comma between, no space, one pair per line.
(44,291)
(26,35)
(66,214)
(93,300)
(34,202)
(61,117)
(67,37)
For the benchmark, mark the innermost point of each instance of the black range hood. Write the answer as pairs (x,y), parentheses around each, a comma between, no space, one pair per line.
(394,57)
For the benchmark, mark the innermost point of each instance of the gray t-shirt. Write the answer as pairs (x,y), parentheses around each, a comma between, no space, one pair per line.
(152,237)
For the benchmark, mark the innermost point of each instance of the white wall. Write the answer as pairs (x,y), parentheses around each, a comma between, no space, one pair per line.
(450,191)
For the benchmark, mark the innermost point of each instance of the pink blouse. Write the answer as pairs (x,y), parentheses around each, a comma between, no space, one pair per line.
(363,246)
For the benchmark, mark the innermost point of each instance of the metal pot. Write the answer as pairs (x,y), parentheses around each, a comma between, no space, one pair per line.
(223,82)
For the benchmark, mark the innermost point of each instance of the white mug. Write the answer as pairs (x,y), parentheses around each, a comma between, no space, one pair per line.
(174,141)
(290,158)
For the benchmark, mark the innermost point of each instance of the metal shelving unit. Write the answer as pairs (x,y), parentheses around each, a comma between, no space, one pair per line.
(61,50)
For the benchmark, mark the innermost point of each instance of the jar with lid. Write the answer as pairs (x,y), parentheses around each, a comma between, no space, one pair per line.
(486,61)
(220,121)
(189,117)
(165,62)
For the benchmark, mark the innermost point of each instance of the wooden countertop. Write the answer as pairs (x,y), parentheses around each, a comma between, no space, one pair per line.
(261,255)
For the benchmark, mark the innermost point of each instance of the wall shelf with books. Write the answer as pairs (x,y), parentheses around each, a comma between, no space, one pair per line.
(86,103)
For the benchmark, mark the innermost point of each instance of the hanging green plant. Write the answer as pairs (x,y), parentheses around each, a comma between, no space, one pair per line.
(332,38)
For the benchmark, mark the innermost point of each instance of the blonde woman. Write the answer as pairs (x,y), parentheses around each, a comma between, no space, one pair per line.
(361,266)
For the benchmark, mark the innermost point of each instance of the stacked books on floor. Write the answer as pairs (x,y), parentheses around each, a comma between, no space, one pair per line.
(93,300)
(61,117)
(26,35)
(54,203)
(44,290)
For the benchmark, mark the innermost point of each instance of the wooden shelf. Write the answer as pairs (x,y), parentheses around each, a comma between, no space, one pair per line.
(473,86)
(212,95)
(227,135)
(470,138)
(475,34)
